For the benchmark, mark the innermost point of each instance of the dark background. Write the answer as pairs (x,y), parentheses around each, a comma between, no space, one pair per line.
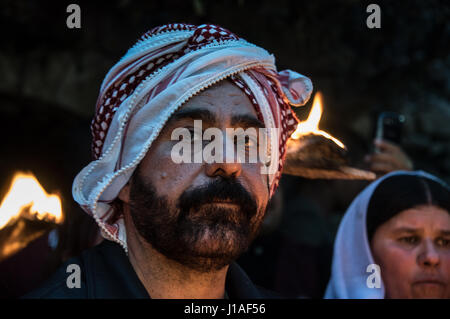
(50,76)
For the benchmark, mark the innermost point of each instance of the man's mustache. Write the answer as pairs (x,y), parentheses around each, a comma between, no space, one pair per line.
(218,190)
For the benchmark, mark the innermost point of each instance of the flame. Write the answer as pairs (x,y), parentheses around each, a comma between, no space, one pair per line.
(311,125)
(26,195)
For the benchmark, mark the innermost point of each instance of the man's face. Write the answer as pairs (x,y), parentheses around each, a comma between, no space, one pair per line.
(413,251)
(203,215)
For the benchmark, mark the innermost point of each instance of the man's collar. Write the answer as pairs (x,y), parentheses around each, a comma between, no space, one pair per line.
(109,274)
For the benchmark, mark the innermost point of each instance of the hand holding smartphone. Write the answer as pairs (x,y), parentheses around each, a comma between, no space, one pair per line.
(388,156)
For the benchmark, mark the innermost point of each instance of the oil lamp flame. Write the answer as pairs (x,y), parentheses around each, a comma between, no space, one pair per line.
(311,125)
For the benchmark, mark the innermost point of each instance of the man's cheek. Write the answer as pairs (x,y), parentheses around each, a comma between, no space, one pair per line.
(174,169)
(259,188)
(264,181)
(255,172)
(175,178)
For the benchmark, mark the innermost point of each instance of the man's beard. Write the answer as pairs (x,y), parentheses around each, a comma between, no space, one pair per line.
(195,231)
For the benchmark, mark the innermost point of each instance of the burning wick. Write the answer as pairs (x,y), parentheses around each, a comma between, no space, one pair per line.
(311,125)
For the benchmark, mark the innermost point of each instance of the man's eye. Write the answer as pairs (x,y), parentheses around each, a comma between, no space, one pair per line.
(251,141)
(443,242)
(411,240)
(196,135)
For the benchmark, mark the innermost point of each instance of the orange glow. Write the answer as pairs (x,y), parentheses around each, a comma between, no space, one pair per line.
(27,196)
(311,125)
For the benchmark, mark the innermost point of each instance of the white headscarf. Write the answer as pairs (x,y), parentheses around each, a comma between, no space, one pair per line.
(168,66)
(352,254)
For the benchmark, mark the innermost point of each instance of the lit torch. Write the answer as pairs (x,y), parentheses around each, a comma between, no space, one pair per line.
(313,153)
(26,213)
(311,125)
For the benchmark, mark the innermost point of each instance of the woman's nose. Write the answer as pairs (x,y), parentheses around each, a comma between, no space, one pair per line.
(428,255)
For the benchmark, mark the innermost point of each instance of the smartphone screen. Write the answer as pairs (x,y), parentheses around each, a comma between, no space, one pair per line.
(390,126)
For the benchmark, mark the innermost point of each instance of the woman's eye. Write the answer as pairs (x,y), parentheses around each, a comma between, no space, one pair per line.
(443,242)
(409,240)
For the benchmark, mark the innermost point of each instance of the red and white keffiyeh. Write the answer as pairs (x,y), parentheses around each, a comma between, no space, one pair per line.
(163,70)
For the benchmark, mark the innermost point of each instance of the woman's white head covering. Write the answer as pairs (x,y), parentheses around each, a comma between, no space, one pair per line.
(167,66)
(352,254)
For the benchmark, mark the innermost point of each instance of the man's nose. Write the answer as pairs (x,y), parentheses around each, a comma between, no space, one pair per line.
(228,165)
(428,255)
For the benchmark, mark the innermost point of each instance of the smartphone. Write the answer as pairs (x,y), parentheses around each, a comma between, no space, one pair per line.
(390,126)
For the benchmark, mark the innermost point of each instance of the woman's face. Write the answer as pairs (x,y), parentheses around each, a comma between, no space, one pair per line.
(413,252)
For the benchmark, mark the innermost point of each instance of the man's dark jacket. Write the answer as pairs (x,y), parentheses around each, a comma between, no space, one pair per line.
(106,272)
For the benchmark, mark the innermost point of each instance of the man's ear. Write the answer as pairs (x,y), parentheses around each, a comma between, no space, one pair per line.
(124,194)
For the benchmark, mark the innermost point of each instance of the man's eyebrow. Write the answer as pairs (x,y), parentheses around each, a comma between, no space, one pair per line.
(246,121)
(444,232)
(195,114)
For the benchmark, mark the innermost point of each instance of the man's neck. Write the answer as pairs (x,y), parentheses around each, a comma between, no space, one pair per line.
(167,279)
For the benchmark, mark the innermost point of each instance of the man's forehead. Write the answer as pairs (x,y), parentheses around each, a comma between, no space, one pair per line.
(220,90)
(223,87)
(223,100)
